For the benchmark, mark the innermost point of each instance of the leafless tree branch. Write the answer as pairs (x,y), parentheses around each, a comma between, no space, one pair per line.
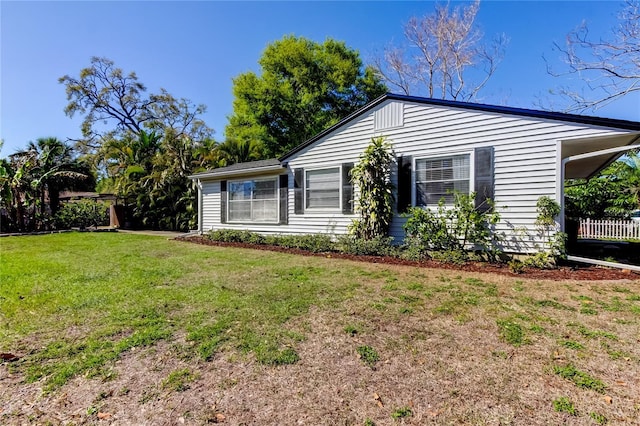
(610,68)
(443,50)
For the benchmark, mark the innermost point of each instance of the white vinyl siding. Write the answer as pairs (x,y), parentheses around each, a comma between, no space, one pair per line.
(322,188)
(389,116)
(438,178)
(525,164)
(253,200)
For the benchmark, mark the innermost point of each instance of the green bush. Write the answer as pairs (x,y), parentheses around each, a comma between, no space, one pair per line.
(82,214)
(378,246)
(452,229)
(236,236)
(315,243)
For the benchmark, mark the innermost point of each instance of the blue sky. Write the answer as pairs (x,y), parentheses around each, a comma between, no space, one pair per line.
(195,49)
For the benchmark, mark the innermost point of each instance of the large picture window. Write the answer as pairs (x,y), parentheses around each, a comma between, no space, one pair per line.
(322,188)
(438,178)
(253,201)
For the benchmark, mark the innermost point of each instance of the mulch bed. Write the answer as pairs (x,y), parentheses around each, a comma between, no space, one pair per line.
(571,271)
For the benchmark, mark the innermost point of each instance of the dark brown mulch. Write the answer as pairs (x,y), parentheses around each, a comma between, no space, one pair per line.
(572,271)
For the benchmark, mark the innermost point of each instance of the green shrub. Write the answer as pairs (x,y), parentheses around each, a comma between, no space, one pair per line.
(378,246)
(315,243)
(456,228)
(236,236)
(82,214)
(456,256)
(516,266)
(548,209)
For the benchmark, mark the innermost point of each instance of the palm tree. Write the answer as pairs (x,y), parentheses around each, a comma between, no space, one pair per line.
(240,151)
(40,172)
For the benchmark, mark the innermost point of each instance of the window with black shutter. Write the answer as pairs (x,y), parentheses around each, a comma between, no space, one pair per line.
(484,177)
(223,201)
(404,183)
(284,199)
(347,189)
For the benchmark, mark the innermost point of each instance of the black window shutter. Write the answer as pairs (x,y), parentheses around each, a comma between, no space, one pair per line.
(484,165)
(347,189)
(298,191)
(223,201)
(404,183)
(284,198)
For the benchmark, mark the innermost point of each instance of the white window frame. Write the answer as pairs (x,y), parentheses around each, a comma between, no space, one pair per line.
(437,156)
(277,200)
(323,209)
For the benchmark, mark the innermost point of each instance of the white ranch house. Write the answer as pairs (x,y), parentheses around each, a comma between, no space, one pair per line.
(511,155)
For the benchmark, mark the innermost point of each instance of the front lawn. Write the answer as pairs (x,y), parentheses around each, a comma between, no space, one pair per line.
(140,329)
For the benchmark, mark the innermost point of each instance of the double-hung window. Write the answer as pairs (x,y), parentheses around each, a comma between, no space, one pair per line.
(253,200)
(322,188)
(440,177)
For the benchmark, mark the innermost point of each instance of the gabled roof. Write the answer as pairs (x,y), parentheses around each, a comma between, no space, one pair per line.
(547,115)
(272,164)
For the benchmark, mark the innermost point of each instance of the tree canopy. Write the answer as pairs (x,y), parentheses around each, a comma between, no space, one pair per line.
(303,88)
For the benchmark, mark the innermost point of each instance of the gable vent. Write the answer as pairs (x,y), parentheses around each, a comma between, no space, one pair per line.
(389,116)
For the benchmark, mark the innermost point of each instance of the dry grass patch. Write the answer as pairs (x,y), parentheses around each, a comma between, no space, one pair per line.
(252,337)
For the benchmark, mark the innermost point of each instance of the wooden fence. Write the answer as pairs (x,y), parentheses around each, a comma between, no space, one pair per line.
(609,229)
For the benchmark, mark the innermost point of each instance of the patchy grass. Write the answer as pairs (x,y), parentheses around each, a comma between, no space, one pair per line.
(579,378)
(178,380)
(173,330)
(564,405)
(511,332)
(368,355)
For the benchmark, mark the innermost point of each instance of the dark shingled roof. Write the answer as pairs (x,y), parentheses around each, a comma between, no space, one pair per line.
(548,115)
(272,162)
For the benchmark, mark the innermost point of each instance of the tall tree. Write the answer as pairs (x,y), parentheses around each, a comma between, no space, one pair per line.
(114,103)
(146,145)
(444,55)
(303,88)
(610,67)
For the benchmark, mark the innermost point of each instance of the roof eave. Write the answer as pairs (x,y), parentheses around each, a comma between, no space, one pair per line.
(239,172)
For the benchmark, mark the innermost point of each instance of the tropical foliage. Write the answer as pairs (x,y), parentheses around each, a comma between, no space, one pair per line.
(613,193)
(372,176)
(149,146)
(32,179)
